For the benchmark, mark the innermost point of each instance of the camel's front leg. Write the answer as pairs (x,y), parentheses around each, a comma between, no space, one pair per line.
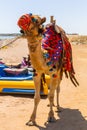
(53,85)
(36,99)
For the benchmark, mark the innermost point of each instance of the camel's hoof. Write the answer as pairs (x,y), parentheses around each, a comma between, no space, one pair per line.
(51,119)
(31,123)
(59,109)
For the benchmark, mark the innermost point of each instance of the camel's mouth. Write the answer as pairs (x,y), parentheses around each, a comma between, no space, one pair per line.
(28,21)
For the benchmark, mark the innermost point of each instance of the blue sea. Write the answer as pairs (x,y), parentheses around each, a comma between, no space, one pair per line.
(8,36)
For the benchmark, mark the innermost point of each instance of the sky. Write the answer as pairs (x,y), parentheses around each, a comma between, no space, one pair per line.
(71,15)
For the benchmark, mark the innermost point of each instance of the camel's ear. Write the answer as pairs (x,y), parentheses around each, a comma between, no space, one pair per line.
(39,20)
(43,20)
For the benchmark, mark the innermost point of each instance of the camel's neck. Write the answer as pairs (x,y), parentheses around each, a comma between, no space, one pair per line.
(35,51)
(34,43)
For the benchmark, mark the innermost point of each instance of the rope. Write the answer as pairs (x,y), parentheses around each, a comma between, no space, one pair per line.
(2,45)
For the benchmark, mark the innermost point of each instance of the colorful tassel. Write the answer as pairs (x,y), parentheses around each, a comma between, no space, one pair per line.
(54,75)
(35,74)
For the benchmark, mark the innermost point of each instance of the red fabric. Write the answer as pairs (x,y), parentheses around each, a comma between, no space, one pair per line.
(55,45)
(24,22)
(68,63)
(52,43)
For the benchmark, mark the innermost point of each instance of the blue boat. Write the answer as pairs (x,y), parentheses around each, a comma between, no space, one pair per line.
(13,80)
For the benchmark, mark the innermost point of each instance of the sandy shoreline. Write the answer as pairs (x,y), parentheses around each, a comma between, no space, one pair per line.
(15,110)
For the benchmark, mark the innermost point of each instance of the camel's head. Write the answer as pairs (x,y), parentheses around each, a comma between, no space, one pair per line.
(31,24)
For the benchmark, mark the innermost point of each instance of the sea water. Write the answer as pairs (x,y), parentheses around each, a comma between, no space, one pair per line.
(6,37)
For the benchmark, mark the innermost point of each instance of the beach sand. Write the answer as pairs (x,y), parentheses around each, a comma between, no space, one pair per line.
(15,110)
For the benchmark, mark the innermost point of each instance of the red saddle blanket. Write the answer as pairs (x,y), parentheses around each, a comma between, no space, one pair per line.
(56,45)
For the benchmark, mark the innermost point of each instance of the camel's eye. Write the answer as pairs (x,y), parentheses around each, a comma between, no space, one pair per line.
(34,20)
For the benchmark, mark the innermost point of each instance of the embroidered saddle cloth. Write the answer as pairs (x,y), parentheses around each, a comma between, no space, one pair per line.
(57,44)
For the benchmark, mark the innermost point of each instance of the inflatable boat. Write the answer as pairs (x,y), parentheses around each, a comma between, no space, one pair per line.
(19,81)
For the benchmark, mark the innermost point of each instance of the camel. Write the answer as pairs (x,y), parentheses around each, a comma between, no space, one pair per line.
(42,60)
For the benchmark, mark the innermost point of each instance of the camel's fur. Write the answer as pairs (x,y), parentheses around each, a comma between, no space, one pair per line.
(34,38)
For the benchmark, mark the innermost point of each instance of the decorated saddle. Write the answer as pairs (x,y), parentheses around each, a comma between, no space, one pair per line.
(57,45)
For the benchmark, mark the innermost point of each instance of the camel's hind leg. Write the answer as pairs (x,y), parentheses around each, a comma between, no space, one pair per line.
(58,90)
(36,99)
(57,98)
